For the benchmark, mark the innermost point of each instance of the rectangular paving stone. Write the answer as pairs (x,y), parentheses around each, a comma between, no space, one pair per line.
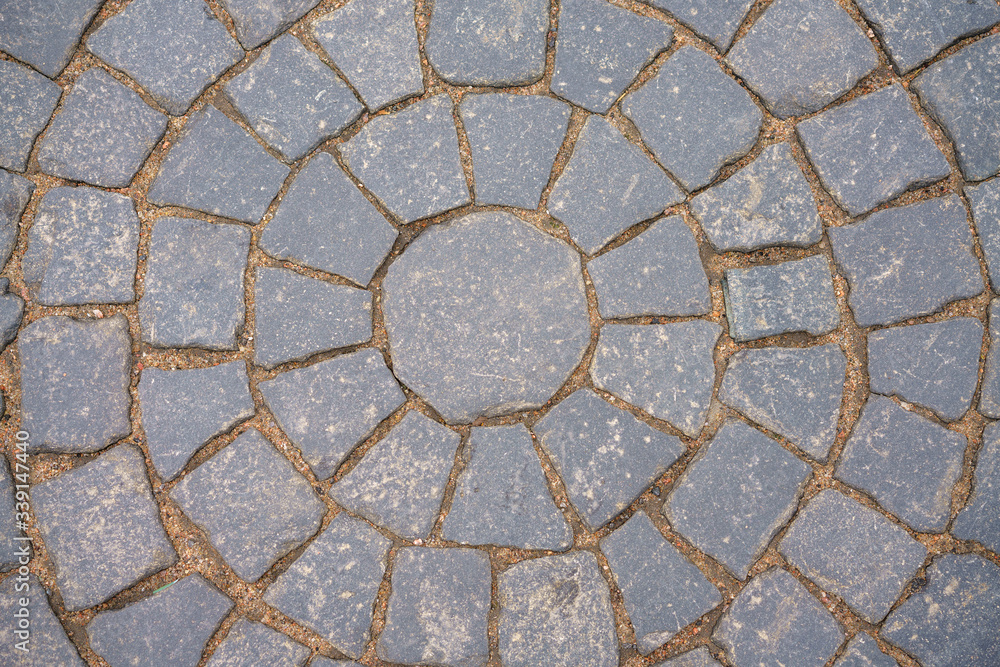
(15,191)
(700,657)
(27,100)
(47,640)
(254,643)
(31,32)
(985,201)
(715,20)
(259,20)
(980,518)
(989,398)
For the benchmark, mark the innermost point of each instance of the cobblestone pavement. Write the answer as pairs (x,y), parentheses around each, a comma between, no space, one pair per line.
(579,333)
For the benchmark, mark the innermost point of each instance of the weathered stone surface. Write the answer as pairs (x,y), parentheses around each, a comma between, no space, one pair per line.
(250,643)
(985,201)
(862,651)
(907,261)
(700,657)
(15,191)
(259,20)
(907,463)
(715,20)
(665,369)
(980,518)
(101,527)
(11,313)
(989,399)
(30,32)
(323,661)
(27,100)
(736,495)
(10,546)
(556,611)
(485,315)
(605,456)
(872,149)
(47,641)
(608,186)
(501,497)
(437,609)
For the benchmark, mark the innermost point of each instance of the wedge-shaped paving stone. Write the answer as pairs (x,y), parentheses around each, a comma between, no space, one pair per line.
(502,497)
(663,591)
(299,316)
(11,313)
(862,651)
(15,191)
(329,408)
(556,611)
(694,117)
(44,33)
(907,463)
(331,587)
(980,519)
(700,657)
(437,609)
(907,261)
(989,399)
(47,643)
(27,100)
(792,296)
(736,495)
(715,20)
(514,140)
(608,186)
(250,643)
(872,149)
(259,20)
(605,456)
(765,204)
(12,542)
(985,201)
(194,284)
(74,383)
(399,484)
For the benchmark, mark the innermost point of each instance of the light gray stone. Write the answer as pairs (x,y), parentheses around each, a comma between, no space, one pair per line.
(989,398)
(862,651)
(47,640)
(985,201)
(700,657)
(980,518)
(27,100)
(15,191)
(715,20)
(259,20)
(250,643)
(29,32)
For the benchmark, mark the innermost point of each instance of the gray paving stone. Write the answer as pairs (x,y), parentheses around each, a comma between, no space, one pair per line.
(608,186)
(29,31)
(980,518)
(292,99)
(665,369)
(437,611)
(11,547)
(182,410)
(767,203)
(952,620)
(399,484)
(792,296)
(694,117)
(485,315)
(82,248)
(794,392)
(323,661)
(47,643)
(700,657)
(171,627)
(907,261)
(299,316)
(331,587)
(658,272)
(514,140)
(989,399)
(259,20)
(985,201)
(774,620)
(715,20)
(74,383)
(15,191)
(600,50)
(605,456)
(374,43)
(663,591)
(326,223)
(218,168)
(103,133)
(174,49)
(501,496)
(27,100)
(736,495)
(101,527)
(933,365)
(862,651)
(907,463)
(556,611)
(250,643)
(872,149)
(11,312)
(329,408)
(194,284)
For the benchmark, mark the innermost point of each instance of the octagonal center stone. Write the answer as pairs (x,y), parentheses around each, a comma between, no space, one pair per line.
(486,315)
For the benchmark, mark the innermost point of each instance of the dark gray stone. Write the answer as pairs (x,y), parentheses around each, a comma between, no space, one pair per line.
(862,651)
(74,383)
(182,410)
(556,611)
(767,203)
(980,518)
(194,284)
(292,99)
(218,168)
(908,261)
(329,408)
(27,100)
(101,527)
(82,248)
(259,20)
(694,117)
(605,456)
(608,186)
(700,657)
(11,312)
(47,640)
(485,315)
(989,399)
(872,149)
(792,296)
(736,495)
(438,607)
(15,191)
(907,463)
(715,20)
(399,484)
(11,536)
(299,316)
(252,503)
(985,201)
(174,49)
(600,50)
(250,643)
(45,33)
(501,496)
(514,140)
(103,133)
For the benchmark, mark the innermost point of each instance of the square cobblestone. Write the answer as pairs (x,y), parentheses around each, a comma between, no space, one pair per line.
(259,20)
(985,201)
(989,398)
(980,518)
(30,34)
(862,651)
(715,20)
(250,643)
(27,100)
(15,191)
(48,643)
